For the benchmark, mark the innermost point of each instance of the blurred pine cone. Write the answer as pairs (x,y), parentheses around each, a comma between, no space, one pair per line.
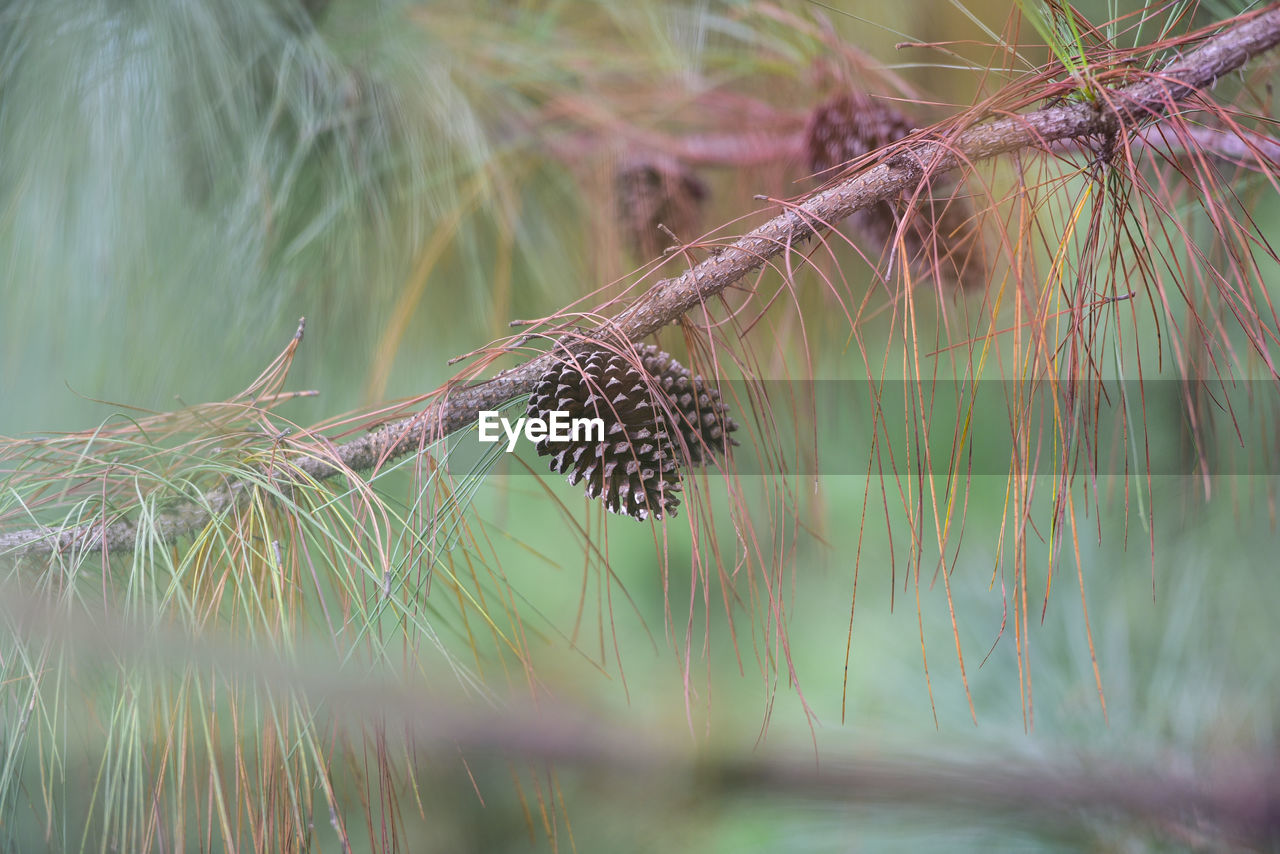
(939,232)
(636,469)
(653,190)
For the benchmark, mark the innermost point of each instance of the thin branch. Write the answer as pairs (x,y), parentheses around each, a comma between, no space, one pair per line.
(1244,148)
(665,302)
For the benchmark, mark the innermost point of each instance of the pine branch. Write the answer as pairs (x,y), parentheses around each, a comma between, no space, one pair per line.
(908,162)
(1245,148)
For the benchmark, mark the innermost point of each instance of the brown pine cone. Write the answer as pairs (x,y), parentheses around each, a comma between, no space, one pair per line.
(653,190)
(698,416)
(940,234)
(634,469)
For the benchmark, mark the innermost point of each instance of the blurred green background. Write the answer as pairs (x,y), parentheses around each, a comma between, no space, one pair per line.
(181,181)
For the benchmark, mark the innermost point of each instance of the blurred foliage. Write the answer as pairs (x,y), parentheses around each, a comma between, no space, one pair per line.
(183,180)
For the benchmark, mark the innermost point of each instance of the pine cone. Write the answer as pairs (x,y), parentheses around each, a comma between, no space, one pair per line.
(939,233)
(634,470)
(850,125)
(699,417)
(653,190)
